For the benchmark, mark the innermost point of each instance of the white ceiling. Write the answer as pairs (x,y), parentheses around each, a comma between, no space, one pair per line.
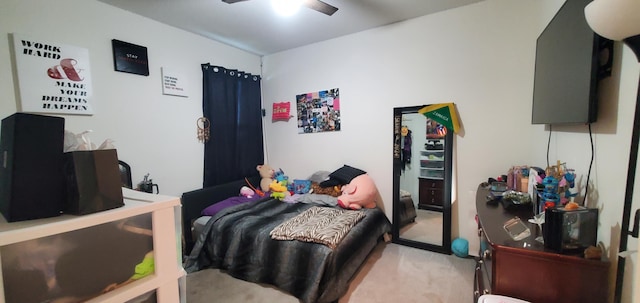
(254,26)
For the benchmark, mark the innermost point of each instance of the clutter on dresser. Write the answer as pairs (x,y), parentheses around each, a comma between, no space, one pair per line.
(554,186)
(31,183)
(516,229)
(507,266)
(47,171)
(563,224)
(147,185)
(570,231)
(92,175)
(569,227)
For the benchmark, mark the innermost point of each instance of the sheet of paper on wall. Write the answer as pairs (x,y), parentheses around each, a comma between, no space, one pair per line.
(174,83)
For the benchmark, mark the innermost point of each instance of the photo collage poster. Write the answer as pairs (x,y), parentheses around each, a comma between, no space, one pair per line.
(318,111)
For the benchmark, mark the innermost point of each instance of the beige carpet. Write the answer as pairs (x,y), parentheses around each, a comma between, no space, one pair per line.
(392,273)
(427,227)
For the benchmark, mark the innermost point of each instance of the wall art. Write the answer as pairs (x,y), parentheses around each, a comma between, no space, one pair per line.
(318,111)
(174,83)
(130,58)
(281,111)
(53,78)
(443,113)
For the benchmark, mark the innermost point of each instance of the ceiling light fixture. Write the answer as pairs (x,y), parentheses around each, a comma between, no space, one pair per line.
(286,7)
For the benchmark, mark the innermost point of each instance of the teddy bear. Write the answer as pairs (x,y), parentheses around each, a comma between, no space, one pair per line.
(267,173)
(359,193)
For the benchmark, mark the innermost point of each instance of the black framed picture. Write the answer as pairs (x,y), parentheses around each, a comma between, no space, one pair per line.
(130,58)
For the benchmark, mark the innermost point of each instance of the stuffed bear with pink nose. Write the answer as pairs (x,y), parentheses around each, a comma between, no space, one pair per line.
(360,193)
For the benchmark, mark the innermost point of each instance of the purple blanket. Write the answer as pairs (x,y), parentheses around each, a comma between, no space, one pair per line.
(215,208)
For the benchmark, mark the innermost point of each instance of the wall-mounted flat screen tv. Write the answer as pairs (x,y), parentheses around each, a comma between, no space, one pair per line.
(568,68)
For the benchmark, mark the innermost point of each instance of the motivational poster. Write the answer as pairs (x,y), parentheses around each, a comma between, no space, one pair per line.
(53,77)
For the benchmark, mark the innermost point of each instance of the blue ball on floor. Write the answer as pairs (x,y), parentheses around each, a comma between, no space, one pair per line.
(460,247)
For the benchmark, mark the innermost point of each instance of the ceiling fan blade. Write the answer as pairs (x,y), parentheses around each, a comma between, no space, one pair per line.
(232,1)
(318,5)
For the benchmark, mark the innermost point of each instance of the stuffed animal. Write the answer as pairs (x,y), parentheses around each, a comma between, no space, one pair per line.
(279,189)
(247,192)
(267,173)
(280,176)
(278,186)
(334,191)
(359,193)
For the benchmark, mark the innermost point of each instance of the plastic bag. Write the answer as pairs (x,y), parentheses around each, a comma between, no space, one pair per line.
(81,141)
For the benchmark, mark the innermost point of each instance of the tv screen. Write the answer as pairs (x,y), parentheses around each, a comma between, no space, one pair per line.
(567,68)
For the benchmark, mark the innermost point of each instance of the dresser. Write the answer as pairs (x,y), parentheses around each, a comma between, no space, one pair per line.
(433,169)
(72,254)
(525,269)
(431,194)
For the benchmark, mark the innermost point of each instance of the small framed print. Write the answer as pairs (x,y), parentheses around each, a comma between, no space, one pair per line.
(174,83)
(130,58)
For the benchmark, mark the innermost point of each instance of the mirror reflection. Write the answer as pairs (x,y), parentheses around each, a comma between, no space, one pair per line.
(422,169)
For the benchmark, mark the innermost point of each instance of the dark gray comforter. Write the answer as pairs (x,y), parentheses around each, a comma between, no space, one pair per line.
(237,240)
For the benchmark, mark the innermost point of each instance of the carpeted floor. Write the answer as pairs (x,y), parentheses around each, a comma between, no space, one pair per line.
(427,227)
(392,273)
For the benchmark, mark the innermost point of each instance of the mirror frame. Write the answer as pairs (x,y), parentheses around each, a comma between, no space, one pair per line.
(445,248)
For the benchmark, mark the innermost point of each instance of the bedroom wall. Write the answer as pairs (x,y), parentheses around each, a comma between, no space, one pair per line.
(154,133)
(480,57)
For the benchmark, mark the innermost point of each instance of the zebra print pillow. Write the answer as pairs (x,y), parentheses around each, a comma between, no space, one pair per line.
(324,225)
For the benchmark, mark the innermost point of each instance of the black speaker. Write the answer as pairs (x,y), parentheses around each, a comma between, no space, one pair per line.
(32,183)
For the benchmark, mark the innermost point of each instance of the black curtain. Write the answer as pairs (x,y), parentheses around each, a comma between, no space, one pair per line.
(232,103)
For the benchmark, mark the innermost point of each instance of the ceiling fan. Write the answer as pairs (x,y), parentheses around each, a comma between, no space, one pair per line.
(316,5)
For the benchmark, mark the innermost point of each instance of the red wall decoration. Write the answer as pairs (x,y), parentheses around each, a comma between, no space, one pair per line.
(281,111)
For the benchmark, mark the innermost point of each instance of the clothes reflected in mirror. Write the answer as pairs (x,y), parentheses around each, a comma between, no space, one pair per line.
(406,146)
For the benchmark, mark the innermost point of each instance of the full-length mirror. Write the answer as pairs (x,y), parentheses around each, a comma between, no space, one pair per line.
(422,170)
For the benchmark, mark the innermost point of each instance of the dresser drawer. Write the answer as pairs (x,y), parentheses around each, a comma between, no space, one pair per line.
(431,197)
(431,184)
(431,194)
(481,286)
(485,263)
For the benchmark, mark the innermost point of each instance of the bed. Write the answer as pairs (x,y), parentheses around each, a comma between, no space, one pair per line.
(407,208)
(237,240)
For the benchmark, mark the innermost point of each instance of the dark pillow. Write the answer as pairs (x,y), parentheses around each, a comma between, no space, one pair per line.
(345,174)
